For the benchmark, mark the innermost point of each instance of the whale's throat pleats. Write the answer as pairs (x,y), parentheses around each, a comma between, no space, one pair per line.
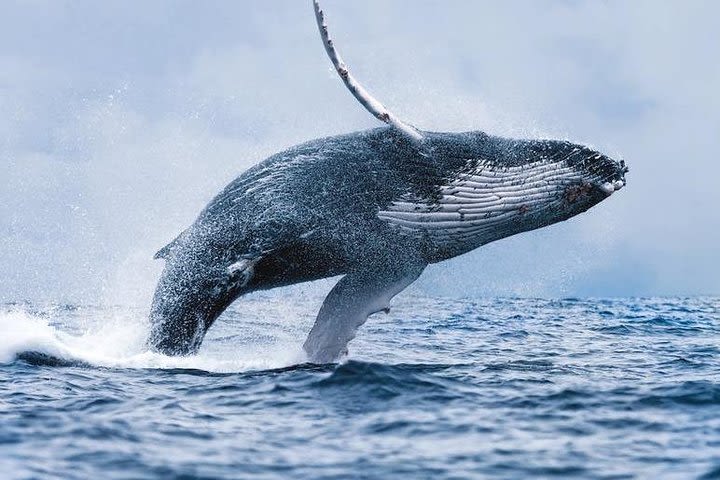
(482,205)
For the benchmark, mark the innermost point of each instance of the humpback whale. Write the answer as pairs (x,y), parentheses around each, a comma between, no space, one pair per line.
(374,206)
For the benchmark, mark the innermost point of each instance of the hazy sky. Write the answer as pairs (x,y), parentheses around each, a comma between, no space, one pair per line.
(120,120)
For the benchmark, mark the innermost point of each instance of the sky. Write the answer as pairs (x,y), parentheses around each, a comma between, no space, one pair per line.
(120,120)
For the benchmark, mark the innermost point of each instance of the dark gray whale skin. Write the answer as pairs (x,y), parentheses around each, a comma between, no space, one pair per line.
(312,211)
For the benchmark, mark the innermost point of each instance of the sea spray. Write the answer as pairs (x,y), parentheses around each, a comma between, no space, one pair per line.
(116,338)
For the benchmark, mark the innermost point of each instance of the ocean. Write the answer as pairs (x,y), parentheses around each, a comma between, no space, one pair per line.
(438,388)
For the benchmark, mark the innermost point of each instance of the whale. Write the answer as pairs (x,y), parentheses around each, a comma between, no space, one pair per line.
(375,207)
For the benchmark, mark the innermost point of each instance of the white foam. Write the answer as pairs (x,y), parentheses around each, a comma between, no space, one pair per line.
(119,341)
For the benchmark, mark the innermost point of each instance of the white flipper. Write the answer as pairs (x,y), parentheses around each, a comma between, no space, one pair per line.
(363,96)
(348,305)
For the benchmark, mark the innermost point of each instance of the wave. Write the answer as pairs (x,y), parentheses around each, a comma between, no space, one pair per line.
(373,381)
(117,339)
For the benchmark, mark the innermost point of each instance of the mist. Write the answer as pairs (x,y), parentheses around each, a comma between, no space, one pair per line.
(121,120)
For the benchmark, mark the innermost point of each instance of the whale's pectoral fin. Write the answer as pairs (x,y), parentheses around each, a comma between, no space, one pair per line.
(356,296)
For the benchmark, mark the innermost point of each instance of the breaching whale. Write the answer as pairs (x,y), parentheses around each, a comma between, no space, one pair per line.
(375,206)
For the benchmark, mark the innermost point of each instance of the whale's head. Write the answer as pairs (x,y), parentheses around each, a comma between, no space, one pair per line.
(494,188)
(530,184)
(536,183)
(567,179)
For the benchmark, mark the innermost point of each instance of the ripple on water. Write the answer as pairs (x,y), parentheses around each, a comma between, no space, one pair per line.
(439,388)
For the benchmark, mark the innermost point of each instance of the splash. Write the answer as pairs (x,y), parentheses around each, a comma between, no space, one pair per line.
(116,338)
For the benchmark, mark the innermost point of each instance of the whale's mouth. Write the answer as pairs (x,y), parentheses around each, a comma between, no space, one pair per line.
(592,190)
(606,177)
(596,188)
(617,181)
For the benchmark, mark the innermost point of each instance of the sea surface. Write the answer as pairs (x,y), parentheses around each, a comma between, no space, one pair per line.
(437,388)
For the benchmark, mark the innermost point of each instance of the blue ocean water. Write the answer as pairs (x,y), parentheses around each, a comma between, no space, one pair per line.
(437,388)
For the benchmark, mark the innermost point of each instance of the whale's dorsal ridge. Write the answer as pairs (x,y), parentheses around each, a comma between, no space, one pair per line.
(165,251)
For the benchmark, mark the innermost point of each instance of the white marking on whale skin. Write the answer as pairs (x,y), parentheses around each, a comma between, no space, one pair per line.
(244,268)
(611,187)
(478,206)
(307,234)
(607,187)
